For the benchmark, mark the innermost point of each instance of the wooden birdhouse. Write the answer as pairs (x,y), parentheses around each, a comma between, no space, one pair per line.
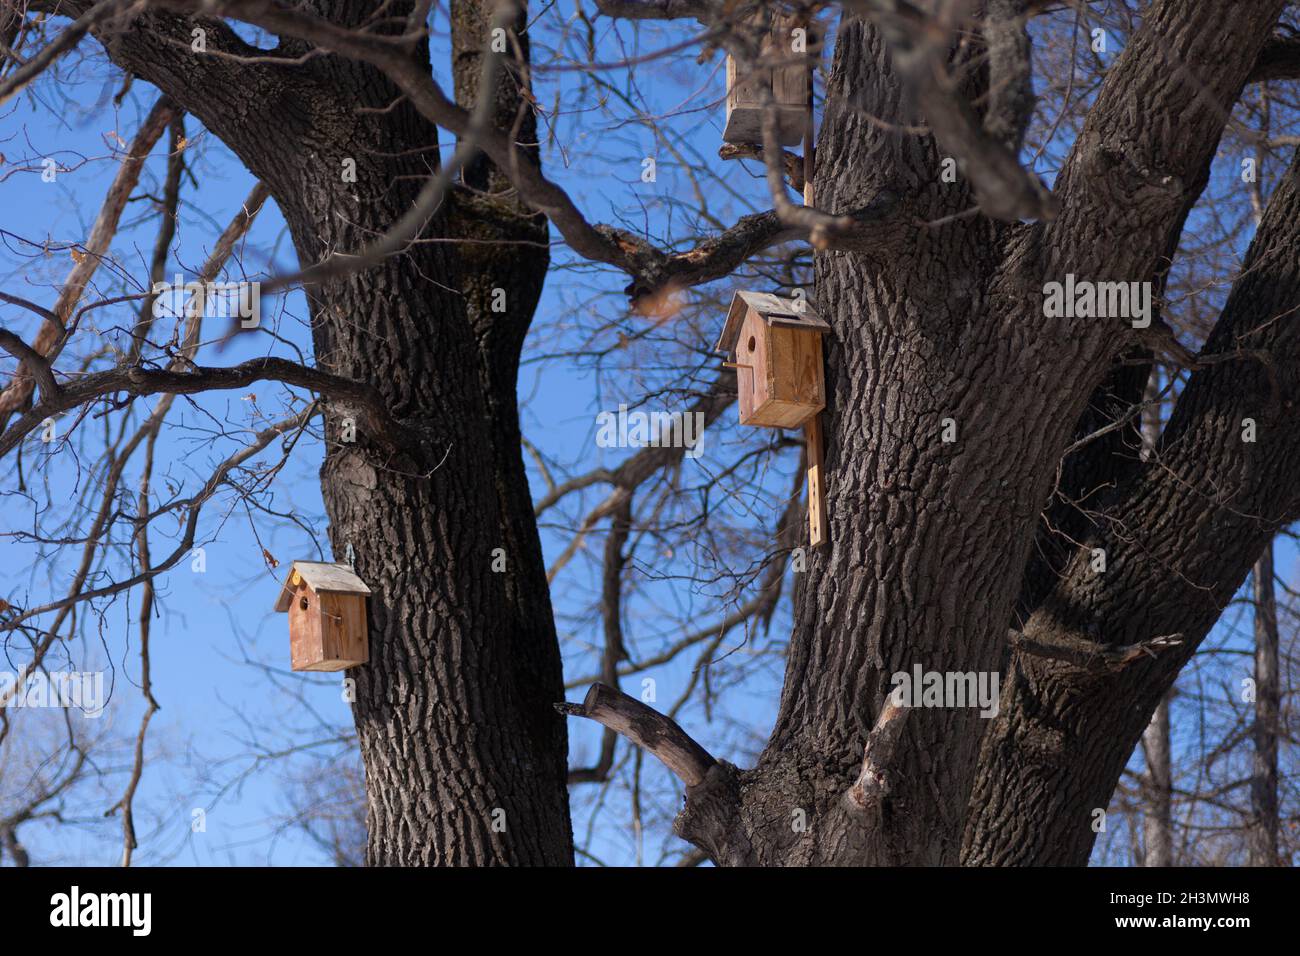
(776,347)
(783,70)
(327,616)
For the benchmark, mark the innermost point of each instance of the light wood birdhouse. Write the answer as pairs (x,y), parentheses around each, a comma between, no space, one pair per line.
(327,616)
(776,349)
(783,71)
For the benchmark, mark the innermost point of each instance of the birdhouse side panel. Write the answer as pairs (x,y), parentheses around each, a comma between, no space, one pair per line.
(744,93)
(745,109)
(745,89)
(305,649)
(796,360)
(344,638)
(790,88)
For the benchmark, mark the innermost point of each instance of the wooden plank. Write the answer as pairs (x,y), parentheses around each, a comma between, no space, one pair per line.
(304,630)
(816,493)
(778,414)
(330,577)
(343,627)
(797,359)
(356,647)
(752,388)
(808,321)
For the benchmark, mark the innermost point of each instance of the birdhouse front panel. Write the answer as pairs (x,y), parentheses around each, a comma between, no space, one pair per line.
(752,389)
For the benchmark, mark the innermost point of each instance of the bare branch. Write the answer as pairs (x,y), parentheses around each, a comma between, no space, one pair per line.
(194,505)
(48,340)
(431,196)
(873,781)
(1011,80)
(658,9)
(652,270)
(37,364)
(23,77)
(645,727)
(137,381)
(1090,655)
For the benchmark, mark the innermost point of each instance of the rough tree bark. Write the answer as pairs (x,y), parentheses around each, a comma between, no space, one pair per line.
(1180,545)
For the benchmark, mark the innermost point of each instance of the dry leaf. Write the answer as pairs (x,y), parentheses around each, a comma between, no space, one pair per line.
(270,559)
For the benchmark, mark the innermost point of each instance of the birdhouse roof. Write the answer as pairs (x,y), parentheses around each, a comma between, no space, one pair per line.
(774,310)
(320,577)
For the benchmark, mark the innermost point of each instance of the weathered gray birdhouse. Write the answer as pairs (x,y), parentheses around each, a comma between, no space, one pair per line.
(789,86)
(783,70)
(327,616)
(776,345)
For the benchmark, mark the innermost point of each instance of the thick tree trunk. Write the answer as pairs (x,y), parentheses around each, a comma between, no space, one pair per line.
(464,752)
(922,528)
(1179,546)
(951,395)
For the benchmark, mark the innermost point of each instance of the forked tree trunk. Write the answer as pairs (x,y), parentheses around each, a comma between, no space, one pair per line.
(464,752)
(950,397)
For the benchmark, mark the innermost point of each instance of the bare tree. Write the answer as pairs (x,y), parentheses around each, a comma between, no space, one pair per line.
(990,512)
